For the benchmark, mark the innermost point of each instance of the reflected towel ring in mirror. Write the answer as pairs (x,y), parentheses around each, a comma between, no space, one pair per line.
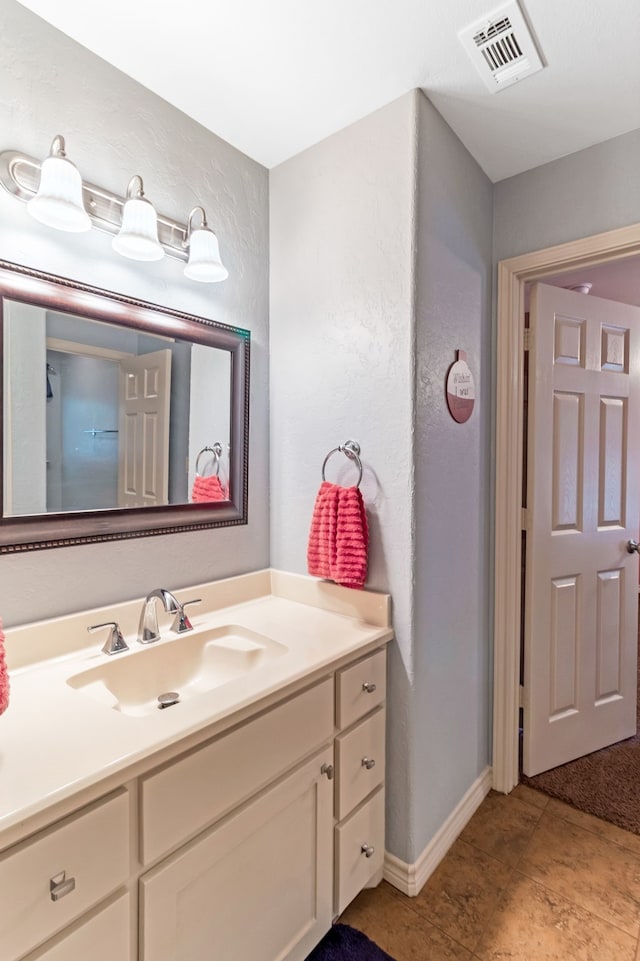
(216,450)
(350,449)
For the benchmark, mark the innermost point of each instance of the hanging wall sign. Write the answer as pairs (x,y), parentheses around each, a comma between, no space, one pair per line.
(460,389)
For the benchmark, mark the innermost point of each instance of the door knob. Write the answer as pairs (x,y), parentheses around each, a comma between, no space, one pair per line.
(633,546)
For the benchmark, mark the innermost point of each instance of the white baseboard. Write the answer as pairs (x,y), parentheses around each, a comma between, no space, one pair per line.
(410,878)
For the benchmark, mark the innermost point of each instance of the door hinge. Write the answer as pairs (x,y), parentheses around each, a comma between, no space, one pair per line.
(524,519)
(521,696)
(527,340)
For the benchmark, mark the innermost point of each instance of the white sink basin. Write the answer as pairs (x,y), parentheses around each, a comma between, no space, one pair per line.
(189,665)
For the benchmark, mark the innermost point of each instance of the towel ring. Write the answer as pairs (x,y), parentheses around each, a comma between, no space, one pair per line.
(350,449)
(216,450)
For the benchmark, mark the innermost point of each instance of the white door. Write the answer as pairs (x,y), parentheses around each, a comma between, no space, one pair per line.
(583,480)
(143,455)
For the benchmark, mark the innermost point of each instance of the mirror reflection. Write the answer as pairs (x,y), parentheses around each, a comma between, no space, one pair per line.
(99,416)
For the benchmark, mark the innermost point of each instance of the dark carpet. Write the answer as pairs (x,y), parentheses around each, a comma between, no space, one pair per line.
(605,783)
(344,943)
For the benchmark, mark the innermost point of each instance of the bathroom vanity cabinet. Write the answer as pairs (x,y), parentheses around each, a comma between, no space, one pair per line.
(241,845)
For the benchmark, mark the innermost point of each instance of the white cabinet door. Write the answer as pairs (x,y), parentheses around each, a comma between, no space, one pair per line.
(256,886)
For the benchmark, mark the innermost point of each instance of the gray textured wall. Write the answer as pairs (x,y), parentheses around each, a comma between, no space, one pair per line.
(114,128)
(585,193)
(453,506)
(358,350)
(341,367)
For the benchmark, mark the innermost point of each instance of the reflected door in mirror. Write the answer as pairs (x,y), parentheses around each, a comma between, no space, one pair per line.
(143,468)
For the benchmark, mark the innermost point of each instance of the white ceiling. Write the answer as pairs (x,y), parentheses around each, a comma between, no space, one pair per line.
(273,77)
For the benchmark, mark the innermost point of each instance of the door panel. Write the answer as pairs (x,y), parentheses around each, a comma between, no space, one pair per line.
(583,474)
(612,467)
(568,468)
(564,629)
(609,646)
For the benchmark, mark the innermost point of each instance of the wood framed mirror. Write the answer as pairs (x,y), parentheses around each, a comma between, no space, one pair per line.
(120,418)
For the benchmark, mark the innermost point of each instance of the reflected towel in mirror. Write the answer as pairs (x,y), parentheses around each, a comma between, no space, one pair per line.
(208,489)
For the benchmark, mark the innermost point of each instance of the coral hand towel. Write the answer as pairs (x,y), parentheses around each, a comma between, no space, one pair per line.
(207,489)
(339,536)
(4,676)
(322,536)
(352,539)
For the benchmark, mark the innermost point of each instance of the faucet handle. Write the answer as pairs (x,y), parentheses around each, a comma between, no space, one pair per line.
(115,643)
(182,622)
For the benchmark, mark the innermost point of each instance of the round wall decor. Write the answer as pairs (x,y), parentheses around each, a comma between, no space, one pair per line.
(460,389)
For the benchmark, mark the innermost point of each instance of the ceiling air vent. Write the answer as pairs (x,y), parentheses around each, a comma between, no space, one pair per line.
(501,47)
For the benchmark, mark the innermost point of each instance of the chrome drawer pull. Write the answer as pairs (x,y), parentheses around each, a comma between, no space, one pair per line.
(60,886)
(368,687)
(328,770)
(368,850)
(368,762)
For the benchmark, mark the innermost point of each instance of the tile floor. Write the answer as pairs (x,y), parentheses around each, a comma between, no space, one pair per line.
(529,879)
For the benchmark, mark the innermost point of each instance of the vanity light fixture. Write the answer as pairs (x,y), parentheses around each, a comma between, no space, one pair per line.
(204,252)
(138,235)
(58,202)
(57,196)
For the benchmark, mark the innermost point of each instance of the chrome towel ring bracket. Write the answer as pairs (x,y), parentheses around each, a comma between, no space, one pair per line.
(216,450)
(351,449)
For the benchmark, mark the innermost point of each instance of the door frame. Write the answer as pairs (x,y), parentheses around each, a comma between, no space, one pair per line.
(513,273)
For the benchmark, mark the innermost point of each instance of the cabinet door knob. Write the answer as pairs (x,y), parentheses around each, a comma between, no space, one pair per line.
(368,762)
(60,886)
(368,850)
(369,687)
(328,770)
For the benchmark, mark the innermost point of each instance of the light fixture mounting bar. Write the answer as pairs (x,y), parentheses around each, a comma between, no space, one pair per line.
(20,176)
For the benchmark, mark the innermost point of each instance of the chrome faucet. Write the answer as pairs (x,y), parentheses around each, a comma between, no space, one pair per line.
(149,620)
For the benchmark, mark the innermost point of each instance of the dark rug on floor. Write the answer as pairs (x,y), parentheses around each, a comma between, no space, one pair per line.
(605,783)
(344,943)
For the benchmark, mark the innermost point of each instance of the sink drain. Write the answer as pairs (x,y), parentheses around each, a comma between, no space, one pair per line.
(168,699)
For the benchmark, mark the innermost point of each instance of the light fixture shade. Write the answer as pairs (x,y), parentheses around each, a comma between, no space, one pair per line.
(58,202)
(204,257)
(138,236)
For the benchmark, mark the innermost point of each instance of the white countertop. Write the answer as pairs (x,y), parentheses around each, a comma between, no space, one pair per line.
(56,741)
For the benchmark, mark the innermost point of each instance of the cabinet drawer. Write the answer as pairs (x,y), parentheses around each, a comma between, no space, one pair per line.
(104,937)
(363,829)
(187,795)
(360,762)
(91,846)
(360,688)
